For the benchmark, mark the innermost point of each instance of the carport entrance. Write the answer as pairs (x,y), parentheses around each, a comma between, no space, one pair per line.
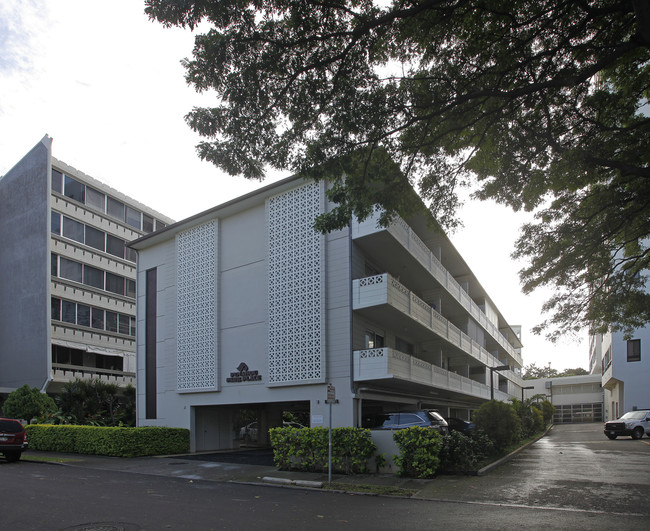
(243,425)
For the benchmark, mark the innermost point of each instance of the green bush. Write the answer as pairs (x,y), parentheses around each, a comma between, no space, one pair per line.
(462,454)
(111,441)
(419,452)
(548,410)
(500,422)
(27,404)
(307,449)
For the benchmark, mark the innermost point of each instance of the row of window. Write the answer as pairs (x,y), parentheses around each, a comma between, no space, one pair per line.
(66,185)
(88,235)
(73,356)
(84,315)
(91,276)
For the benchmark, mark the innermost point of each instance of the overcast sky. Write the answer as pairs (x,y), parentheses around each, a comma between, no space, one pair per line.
(107,85)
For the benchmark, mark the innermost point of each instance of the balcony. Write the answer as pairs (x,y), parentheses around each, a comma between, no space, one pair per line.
(385,363)
(385,291)
(408,240)
(62,374)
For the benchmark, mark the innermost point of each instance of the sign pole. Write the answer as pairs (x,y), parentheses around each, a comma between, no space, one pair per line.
(331,399)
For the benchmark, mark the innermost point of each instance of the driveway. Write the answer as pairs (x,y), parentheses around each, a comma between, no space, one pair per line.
(575,467)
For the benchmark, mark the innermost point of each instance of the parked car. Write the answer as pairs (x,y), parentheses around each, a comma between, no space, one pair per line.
(13,439)
(426,418)
(633,423)
(463,426)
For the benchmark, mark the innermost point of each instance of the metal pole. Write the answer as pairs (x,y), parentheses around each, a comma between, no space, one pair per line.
(329,459)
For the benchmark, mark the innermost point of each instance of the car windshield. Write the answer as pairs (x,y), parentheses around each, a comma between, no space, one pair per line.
(635,415)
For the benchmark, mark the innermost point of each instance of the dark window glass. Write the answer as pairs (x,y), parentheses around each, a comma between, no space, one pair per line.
(56,309)
(160,224)
(124,324)
(111,321)
(69,269)
(95,199)
(83,315)
(130,288)
(56,223)
(97,318)
(93,277)
(68,312)
(57,181)
(73,229)
(115,208)
(131,254)
(60,354)
(74,189)
(634,350)
(115,283)
(115,246)
(54,270)
(134,217)
(147,223)
(132,326)
(76,357)
(95,238)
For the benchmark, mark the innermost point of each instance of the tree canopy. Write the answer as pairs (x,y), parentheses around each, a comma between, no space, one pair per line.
(532,372)
(543,104)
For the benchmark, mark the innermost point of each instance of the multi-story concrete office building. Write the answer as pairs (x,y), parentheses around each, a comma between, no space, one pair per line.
(245,312)
(67,292)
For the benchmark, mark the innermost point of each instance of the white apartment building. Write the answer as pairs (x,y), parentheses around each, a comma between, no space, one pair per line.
(624,367)
(67,292)
(245,313)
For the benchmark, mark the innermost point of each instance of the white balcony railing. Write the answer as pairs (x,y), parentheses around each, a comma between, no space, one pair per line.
(383,363)
(66,373)
(384,289)
(403,234)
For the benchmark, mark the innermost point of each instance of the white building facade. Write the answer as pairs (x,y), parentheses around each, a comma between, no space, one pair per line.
(67,293)
(246,314)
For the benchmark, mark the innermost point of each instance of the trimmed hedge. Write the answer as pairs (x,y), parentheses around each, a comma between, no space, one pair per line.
(111,441)
(419,452)
(307,449)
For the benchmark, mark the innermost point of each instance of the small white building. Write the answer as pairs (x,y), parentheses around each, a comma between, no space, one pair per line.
(247,314)
(576,398)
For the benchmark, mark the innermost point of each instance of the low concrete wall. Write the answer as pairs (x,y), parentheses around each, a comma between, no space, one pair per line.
(387,446)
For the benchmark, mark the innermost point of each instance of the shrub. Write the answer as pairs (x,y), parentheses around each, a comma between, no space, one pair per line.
(308,448)
(462,454)
(419,449)
(111,441)
(25,403)
(548,410)
(499,421)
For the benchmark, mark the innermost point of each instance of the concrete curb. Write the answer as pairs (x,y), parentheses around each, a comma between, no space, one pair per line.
(507,458)
(293,482)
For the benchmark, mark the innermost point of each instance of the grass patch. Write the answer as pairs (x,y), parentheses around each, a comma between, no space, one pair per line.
(379,490)
(48,459)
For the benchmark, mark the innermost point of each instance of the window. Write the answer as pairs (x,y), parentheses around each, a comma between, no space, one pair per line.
(73,229)
(54,265)
(83,315)
(69,269)
(374,340)
(115,208)
(111,321)
(56,309)
(115,283)
(95,199)
(93,277)
(124,324)
(68,310)
(134,217)
(74,189)
(95,238)
(57,181)
(160,224)
(115,246)
(56,223)
(132,326)
(97,320)
(147,223)
(634,350)
(131,254)
(130,288)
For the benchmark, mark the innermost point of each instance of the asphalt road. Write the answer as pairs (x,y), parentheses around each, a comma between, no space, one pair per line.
(574,478)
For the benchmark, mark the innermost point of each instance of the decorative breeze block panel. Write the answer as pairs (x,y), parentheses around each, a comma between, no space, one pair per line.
(196,328)
(295,262)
